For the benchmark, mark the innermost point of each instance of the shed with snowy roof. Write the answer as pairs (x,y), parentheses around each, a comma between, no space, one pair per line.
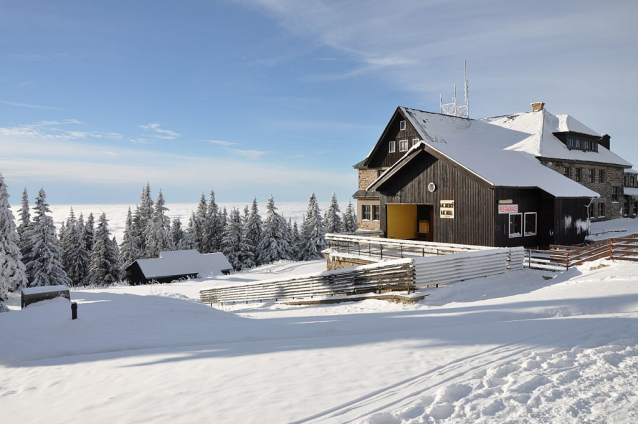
(177,265)
(530,179)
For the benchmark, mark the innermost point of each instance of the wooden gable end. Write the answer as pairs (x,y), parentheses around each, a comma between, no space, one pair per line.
(473,198)
(381,156)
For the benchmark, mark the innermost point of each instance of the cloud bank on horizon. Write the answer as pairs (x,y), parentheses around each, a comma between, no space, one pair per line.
(260,97)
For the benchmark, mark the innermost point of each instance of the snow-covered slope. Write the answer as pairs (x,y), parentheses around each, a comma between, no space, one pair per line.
(512,348)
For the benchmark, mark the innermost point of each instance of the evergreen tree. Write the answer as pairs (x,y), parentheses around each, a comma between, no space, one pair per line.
(198,224)
(25,220)
(142,219)
(103,270)
(89,232)
(75,257)
(43,262)
(158,234)
(275,244)
(253,229)
(333,221)
(128,250)
(246,247)
(232,239)
(215,225)
(312,232)
(349,219)
(295,241)
(12,270)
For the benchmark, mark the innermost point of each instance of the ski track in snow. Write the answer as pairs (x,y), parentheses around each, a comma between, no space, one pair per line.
(410,390)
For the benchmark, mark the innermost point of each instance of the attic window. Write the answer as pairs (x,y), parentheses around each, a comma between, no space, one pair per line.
(403,145)
(402,125)
(415,141)
(586,145)
(393,147)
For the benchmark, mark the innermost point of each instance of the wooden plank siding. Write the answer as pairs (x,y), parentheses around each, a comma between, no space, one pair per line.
(474,218)
(568,214)
(528,200)
(381,157)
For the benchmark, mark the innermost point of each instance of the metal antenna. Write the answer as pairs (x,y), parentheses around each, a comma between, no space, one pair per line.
(455,109)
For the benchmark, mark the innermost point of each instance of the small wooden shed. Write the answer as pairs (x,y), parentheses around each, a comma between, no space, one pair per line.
(177,265)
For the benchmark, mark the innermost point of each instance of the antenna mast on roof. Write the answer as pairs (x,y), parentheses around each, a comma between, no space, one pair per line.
(455,109)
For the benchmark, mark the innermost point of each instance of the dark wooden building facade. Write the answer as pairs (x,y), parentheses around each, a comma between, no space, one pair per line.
(426,194)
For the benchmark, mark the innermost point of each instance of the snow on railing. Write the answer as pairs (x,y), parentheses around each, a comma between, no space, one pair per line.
(385,248)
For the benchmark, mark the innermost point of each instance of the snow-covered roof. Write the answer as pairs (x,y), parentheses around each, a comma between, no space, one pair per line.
(182,262)
(500,168)
(631,171)
(630,191)
(44,289)
(530,132)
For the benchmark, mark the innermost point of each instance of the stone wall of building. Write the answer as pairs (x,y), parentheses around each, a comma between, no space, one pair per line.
(612,177)
(367,177)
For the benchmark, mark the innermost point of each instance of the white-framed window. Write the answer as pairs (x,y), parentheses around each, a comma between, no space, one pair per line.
(375,212)
(393,146)
(365,212)
(515,229)
(402,125)
(529,220)
(614,194)
(403,145)
(415,141)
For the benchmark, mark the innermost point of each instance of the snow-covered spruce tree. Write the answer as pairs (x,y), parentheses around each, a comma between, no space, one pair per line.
(43,262)
(103,270)
(295,240)
(128,248)
(312,232)
(253,232)
(332,220)
(12,270)
(215,225)
(181,239)
(197,225)
(275,242)
(158,236)
(25,220)
(89,232)
(141,220)
(75,257)
(246,247)
(349,219)
(232,239)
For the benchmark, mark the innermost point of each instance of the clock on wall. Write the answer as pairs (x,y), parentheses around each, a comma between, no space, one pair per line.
(431,187)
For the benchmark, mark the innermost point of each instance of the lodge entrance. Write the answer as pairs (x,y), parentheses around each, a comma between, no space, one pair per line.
(410,222)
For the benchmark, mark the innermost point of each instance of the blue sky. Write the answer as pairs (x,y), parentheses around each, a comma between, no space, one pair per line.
(259,97)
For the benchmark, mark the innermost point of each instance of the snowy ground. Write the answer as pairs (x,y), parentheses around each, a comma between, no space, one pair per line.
(512,348)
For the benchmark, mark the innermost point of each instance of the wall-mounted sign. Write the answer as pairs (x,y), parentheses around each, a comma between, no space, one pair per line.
(507,208)
(446,209)
(431,187)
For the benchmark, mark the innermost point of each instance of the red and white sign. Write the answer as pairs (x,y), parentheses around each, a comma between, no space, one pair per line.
(507,208)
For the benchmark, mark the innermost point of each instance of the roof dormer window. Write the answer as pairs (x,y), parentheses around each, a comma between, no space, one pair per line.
(402,125)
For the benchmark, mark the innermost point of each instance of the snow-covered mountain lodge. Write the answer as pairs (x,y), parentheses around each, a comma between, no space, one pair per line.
(528,179)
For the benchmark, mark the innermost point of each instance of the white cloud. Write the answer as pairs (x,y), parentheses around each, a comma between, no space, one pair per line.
(141,141)
(250,154)
(17,104)
(161,133)
(221,142)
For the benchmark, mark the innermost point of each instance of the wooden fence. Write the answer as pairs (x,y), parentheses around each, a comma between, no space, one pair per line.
(384,248)
(396,275)
(391,275)
(563,257)
(435,270)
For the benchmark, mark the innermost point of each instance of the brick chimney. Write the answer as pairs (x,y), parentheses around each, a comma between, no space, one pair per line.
(605,141)
(536,106)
